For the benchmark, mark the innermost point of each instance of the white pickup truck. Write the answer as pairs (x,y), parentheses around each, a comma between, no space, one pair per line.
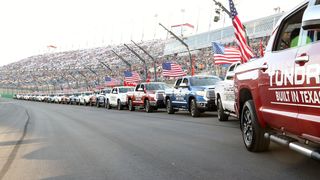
(118,97)
(225,100)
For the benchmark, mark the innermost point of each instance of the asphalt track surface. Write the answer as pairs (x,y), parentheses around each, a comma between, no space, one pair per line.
(52,141)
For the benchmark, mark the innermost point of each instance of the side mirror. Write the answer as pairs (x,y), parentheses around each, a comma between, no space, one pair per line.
(183,85)
(311,18)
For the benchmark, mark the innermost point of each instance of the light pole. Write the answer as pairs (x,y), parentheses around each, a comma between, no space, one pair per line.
(154,61)
(125,61)
(141,59)
(183,43)
(155,27)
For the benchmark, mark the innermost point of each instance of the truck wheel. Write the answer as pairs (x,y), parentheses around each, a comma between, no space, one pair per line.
(131,107)
(170,109)
(252,133)
(97,103)
(147,106)
(221,115)
(193,109)
(90,103)
(108,104)
(119,106)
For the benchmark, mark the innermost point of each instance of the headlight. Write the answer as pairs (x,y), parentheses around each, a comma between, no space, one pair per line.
(200,93)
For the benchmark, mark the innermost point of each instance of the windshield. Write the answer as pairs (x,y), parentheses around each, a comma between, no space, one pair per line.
(156,86)
(203,81)
(125,90)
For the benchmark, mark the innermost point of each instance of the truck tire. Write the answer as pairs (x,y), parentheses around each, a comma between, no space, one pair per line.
(119,106)
(170,109)
(193,108)
(97,103)
(221,115)
(131,107)
(105,103)
(147,106)
(252,133)
(108,104)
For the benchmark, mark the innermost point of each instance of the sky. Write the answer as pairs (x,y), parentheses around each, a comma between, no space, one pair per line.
(28,27)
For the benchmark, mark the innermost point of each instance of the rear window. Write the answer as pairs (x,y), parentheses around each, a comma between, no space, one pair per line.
(232,67)
(203,81)
(125,90)
(156,86)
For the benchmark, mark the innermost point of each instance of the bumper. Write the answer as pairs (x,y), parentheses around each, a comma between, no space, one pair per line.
(124,103)
(158,103)
(207,105)
(100,101)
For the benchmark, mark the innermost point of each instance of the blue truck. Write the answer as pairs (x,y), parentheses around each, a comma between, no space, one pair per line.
(193,93)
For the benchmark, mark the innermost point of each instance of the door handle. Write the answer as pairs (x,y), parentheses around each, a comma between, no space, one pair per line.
(302,59)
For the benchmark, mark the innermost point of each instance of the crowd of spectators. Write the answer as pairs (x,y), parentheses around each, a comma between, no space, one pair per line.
(86,68)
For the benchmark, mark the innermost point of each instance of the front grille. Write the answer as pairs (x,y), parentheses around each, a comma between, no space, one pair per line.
(210,94)
(159,96)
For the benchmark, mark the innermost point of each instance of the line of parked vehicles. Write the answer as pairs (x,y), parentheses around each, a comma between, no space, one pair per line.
(192,93)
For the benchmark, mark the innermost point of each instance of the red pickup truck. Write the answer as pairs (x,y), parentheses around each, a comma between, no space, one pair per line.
(278,95)
(149,96)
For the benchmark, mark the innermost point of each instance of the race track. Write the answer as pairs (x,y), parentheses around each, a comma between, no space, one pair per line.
(52,141)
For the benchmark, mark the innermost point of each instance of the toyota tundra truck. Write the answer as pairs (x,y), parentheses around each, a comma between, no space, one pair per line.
(225,95)
(118,97)
(193,93)
(278,95)
(148,96)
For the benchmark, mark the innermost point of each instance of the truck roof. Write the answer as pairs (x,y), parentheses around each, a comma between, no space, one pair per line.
(153,83)
(200,76)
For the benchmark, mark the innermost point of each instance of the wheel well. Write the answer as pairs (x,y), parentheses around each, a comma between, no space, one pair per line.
(218,95)
(244,96)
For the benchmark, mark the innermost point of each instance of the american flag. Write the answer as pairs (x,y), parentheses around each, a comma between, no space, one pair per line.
(225,55)
(131,77)
(240,34)
(172,70)
(111,81)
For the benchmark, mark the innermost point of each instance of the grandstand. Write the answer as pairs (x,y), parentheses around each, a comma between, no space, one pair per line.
(82,69)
